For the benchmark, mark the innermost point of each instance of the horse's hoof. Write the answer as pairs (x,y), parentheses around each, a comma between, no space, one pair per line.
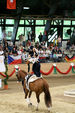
(36,109)
(30,104)
(49,109)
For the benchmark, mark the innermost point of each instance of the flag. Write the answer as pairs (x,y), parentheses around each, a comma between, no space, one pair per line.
(2,65)
(14,59)
(72,59)
(11,4)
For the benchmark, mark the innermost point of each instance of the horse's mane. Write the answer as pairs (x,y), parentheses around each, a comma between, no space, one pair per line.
(24,72)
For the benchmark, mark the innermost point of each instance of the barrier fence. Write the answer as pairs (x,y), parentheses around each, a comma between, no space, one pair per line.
(53,68)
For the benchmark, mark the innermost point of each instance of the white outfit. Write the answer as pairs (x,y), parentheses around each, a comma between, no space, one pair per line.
(2,65)
(33,60)
(24,56)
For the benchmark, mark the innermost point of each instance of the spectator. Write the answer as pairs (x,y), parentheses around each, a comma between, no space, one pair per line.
(29,43)
(3,34)
(1,50)
(48,52)
(29,36)
(68,45)
(24,56)
(14,51)
(40,37)
(55,57)
(59,42)
(33,43)
(59,51)
(33,36)
(19,52)
(55,42)
(10,46)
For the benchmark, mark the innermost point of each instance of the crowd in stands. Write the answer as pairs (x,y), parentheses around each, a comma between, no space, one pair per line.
(27,48)
(69,46)
(52,52)
(46,52)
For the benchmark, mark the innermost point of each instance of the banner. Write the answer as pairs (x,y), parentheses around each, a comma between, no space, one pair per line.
(14,59)
(2,65)
(11,4)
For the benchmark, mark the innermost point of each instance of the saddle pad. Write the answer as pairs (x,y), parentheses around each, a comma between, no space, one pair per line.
(32,79)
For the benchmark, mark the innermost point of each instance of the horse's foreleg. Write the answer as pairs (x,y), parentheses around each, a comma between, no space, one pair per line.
(26,98)
(30,96)
(38,100)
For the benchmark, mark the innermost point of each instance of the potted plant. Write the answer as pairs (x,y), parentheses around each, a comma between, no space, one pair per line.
(5,84)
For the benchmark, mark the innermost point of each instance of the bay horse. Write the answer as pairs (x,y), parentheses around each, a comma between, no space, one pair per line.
(38,86)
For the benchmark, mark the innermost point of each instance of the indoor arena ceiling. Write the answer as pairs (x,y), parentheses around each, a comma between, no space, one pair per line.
(40,9)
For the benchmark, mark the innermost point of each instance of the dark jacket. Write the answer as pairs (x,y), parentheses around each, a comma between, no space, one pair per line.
(36,69)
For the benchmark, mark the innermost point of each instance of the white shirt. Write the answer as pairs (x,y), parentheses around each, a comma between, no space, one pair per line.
(2,65)
(24,56)
(1,52)
(33,60)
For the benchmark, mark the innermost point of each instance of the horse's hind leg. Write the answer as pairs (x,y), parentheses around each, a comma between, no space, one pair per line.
(38,100)
(26,93)
(30,94)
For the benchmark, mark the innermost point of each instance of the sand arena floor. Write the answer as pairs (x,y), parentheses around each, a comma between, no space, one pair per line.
(12,100)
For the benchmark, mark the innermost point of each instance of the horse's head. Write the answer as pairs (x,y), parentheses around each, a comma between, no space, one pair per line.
(20,74)
(16,69)
(17,72)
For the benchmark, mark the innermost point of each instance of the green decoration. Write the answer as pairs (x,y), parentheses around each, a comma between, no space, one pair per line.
(73,70)
(55,72)
(6,79)
(5,54)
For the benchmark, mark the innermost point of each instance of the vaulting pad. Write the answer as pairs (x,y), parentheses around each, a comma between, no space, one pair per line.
(32,78)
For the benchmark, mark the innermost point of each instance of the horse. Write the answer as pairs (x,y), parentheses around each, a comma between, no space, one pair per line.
(38,86)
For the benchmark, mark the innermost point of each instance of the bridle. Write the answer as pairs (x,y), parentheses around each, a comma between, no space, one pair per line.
(16,70)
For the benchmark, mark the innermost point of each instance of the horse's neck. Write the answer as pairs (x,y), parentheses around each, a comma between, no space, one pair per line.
(23,74)
(22,82)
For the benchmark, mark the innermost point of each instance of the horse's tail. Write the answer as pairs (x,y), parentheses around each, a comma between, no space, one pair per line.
(48,100)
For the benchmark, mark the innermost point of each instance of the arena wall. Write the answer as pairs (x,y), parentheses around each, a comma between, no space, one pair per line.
(45,67)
